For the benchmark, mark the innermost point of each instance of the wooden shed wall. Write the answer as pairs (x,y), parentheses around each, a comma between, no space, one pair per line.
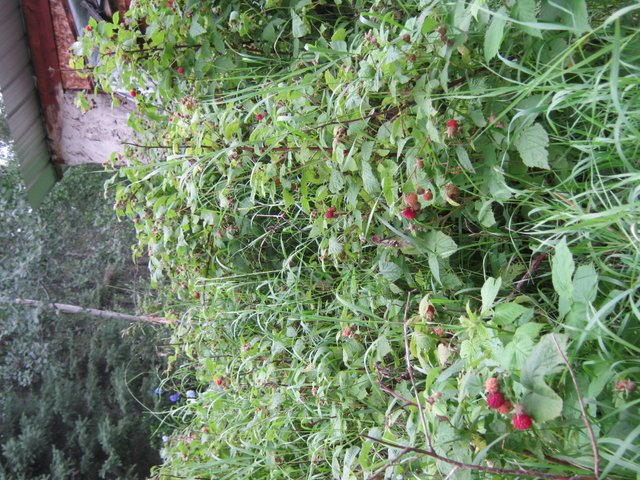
(22,105)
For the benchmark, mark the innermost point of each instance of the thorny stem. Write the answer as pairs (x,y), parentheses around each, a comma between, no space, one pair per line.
(585,419)
(373,114)
(384,388)
(529,273)
(479,468)
(242,149)
(150,50)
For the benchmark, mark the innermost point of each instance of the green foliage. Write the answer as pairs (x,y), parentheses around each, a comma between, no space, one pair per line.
(281,184)
(75,390)
(83,415)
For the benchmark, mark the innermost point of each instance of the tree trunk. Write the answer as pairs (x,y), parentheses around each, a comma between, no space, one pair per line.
(93,312)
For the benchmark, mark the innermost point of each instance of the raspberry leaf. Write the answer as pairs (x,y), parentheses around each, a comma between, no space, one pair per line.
(541,401)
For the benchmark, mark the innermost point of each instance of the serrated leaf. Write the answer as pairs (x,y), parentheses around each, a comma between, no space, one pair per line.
(562,268)
(489,292)
(349,457)
(525,11)
(369,179)
(336,181)
(383,348)
(390,270)
(330,80)
(195,30)
(364,453)
(495,33)
(585,284)
(532,146)
(463,159)
(365,150)
(508,313)
(516,352)
(485,213)
(440,244)
(335,247)
(288,198)
(575,14)
(541,401)
(298,27)
(544,360)
(543,404)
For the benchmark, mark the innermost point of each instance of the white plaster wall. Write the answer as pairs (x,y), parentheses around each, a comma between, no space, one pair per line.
(93,136)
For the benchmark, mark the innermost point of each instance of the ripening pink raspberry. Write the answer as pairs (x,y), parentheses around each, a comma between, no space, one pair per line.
(505,407)
(492,385)
(522,421)
(411,199)
(495,400)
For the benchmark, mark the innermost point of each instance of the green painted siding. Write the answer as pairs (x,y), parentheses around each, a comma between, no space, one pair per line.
(22,106)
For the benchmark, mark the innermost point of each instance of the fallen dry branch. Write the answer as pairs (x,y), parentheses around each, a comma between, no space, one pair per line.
(93,312)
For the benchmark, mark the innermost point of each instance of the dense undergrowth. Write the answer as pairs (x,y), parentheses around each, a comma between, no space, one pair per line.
(369,209)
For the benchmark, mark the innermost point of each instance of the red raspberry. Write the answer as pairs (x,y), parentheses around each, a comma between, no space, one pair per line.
(180,69)
(428,196)
(133,93)
(452,128)
(259,117)
(522,421)
(409,213)
(492,385)
(331,213)
(219,381)
(495,400)
(88,28)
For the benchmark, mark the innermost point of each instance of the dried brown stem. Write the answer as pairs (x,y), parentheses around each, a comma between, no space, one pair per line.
(528,274)
(479,468)
(373,114)
(386,389)
(583,412)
